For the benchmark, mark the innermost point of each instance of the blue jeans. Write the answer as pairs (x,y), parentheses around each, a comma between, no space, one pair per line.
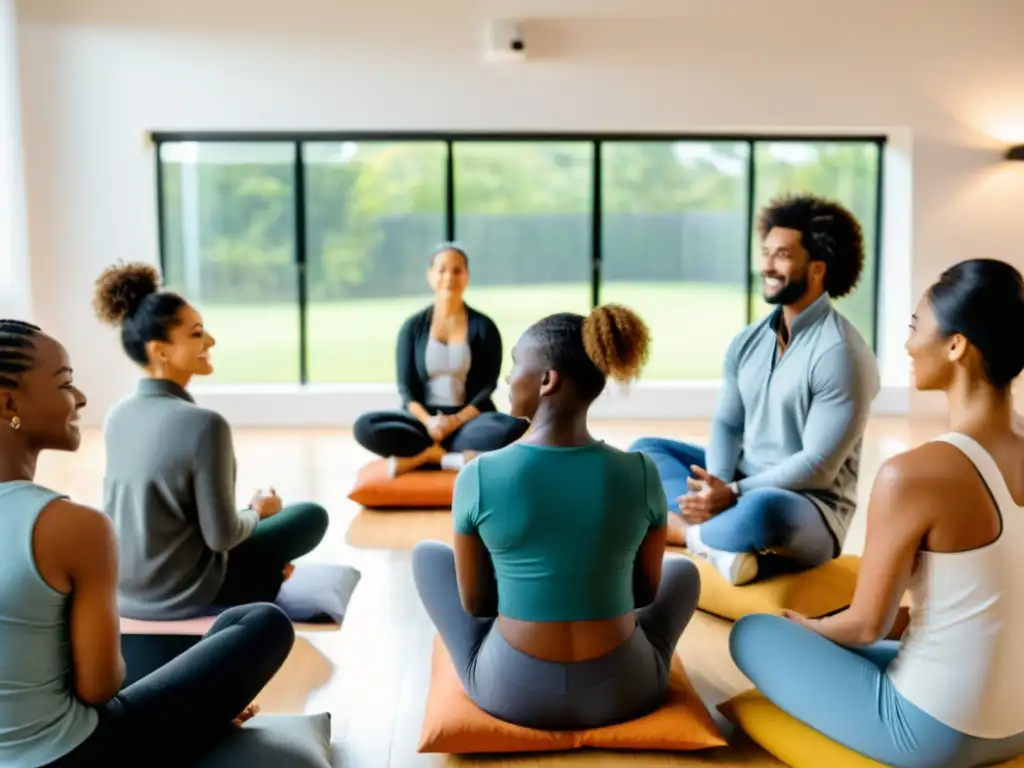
(846,695)
(767,520)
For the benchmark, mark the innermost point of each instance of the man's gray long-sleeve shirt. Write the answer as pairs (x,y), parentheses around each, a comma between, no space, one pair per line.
(797,421)
(170,490)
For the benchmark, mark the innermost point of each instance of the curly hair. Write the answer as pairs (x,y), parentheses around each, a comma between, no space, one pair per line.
(611,342)
(829,233)
(129,296)
(16,348)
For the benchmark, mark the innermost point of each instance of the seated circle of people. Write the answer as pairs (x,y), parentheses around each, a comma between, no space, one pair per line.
(775,488)
(170,471)
(556,603)
(62,703)
(448,359)
(946,521)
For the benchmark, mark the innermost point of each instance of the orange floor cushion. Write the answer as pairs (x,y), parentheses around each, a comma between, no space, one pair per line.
(816,592)
(422,489)
(455,725)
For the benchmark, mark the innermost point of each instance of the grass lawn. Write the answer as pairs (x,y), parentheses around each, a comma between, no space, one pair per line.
(354,341)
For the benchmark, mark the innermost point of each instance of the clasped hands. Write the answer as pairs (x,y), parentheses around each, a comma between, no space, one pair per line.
(440,425)
(708,495)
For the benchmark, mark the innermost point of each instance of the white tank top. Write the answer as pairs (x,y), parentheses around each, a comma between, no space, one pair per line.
(962,658)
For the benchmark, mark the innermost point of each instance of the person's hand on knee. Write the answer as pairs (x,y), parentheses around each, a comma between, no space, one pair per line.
(266,505)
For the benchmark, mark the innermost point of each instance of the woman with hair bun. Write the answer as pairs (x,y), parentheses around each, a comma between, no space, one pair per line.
(557,605)
(946,522)
(170,478)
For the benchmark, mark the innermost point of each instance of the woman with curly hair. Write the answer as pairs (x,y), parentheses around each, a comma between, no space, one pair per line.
(170,478)
(776,487)
(556,605)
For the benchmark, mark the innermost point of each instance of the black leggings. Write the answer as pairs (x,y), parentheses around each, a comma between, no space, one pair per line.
(256,566)
(399,433)
(182,708)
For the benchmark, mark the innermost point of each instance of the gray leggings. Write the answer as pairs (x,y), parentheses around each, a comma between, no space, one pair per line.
(627,683)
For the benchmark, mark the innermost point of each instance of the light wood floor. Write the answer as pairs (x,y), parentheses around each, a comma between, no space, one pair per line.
(372,674)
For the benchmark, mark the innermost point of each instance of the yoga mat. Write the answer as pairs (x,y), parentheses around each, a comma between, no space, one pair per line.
(400,530)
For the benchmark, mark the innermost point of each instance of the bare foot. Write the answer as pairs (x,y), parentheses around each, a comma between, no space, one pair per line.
(431,455)
(676,530)
(247,714)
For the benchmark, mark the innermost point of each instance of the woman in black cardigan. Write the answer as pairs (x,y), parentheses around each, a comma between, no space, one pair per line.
(449,360)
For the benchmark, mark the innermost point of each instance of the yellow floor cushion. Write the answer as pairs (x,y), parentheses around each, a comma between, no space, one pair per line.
(816,592)
(453,724)
(421,489)
(790,741)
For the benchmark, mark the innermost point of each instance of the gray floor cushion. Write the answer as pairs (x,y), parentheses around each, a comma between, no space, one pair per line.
(275,741)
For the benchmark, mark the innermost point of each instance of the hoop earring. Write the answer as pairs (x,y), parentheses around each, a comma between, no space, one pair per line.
(16,422)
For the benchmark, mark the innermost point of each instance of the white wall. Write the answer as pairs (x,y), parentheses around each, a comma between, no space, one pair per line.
(943,77)
(15,286)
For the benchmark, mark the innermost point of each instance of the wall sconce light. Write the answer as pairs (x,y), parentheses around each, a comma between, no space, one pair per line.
(1015,152)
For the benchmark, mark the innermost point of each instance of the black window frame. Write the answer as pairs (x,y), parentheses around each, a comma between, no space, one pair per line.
(299,138)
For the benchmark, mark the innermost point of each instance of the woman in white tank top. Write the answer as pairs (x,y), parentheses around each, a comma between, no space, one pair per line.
(946,521)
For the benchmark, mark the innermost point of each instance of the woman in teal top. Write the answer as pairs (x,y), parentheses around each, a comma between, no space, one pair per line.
(557,605)
(61,668)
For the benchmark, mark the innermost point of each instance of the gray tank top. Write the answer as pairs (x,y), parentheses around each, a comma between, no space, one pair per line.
(447,367)
(40,717)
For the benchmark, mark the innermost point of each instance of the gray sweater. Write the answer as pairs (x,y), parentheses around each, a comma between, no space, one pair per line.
(170,490)
(797,422)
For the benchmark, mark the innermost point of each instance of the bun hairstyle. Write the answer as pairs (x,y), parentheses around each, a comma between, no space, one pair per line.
(983,300)
(129,296)
(611,342)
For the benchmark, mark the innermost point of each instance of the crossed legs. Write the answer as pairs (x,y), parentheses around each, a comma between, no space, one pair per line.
(622,685)
(185,705)
(765,530)
(400,436)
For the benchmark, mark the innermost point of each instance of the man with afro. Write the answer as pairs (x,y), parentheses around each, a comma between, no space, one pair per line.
(776,487)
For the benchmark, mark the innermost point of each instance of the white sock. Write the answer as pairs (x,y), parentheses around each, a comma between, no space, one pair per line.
(454,461)
(737,567)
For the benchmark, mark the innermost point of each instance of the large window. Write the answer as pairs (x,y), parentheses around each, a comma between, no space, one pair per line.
(306,253)
(674,216)
(228,213)
(847,172)
(523,212)
(373,211)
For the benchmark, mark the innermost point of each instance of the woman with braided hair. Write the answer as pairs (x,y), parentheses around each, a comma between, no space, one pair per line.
(61,664)
(557,605)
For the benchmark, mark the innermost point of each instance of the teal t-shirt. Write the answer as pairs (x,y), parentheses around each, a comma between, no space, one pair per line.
(562,525)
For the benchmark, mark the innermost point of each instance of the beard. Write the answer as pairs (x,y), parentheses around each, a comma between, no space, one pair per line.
(791,292)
